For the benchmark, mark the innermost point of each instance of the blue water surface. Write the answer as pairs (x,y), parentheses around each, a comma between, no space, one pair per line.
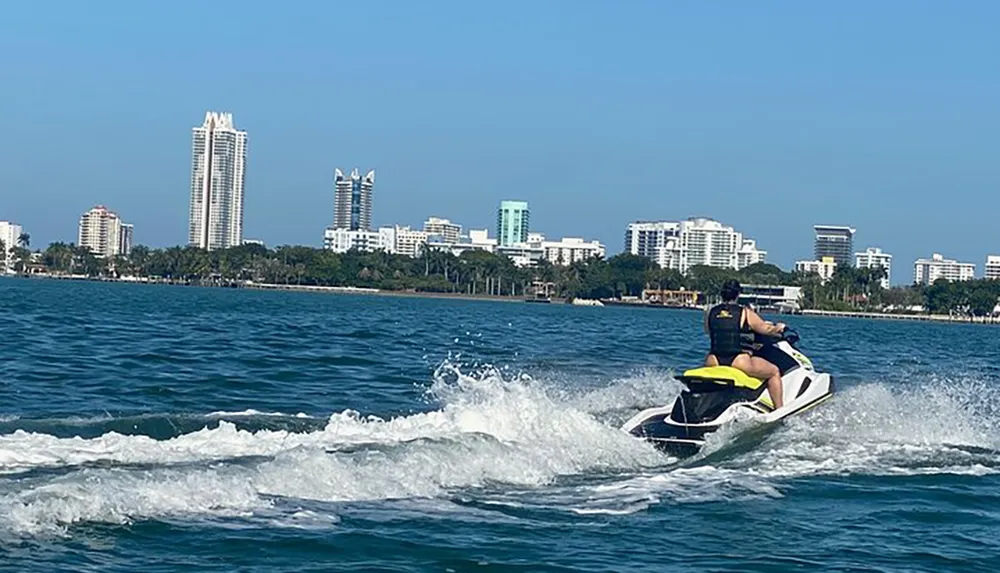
(164,428)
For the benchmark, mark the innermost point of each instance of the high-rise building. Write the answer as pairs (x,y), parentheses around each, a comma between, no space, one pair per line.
(10,233)
(992,267)
(443,229)
(926,271)
(697,241)
(352,208)
(874,257)
(512,223)
(103,232)
(125,239)
(836,242)
(218,167)
(647,238)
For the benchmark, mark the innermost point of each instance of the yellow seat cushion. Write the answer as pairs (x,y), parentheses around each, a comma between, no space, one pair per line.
(736,376)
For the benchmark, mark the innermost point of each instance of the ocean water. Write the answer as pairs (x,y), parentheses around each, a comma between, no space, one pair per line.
(156,428)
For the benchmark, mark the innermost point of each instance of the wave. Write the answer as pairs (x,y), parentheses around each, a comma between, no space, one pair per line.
(494,441)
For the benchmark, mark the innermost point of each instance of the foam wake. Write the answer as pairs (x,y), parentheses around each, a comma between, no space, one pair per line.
(499,444)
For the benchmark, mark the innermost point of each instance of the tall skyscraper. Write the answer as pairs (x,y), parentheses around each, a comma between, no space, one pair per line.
(218,166)
(836,242)
(512,223)
(103,232)
(352,207)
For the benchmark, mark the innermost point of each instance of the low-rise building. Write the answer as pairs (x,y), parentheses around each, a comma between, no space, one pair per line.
(824,268)
(771,297)
(926,271)
(476,240)
(343,240)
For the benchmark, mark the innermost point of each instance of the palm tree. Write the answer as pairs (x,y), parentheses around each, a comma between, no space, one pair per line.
(24,240)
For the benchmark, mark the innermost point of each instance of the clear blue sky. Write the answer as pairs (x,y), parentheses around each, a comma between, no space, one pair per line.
(769,116)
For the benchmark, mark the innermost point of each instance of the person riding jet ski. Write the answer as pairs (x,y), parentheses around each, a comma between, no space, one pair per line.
(730,327)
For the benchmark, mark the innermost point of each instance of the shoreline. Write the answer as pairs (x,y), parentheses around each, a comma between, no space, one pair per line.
(941,318)
(292,288)
(902,317)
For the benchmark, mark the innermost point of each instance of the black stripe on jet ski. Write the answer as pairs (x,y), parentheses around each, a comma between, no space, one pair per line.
(805,386)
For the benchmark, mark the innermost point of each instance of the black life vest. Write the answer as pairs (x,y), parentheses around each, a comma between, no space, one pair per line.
(729,338)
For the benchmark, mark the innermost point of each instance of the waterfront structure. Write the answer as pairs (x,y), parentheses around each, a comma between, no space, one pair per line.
(352,209)
(873,257)
(777,297)
(834,241)
(926,271)
(512,223)
(10,234)
(344,240)
(218,167)
(696,241)
(103,232)
(992,267)
(824,268)
(444,230)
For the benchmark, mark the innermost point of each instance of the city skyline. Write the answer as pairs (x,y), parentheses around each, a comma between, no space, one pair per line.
(758,136)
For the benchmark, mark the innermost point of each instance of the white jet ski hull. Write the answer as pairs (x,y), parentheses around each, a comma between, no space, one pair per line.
(716,396)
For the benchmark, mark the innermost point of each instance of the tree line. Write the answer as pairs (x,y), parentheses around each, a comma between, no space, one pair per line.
(482,272)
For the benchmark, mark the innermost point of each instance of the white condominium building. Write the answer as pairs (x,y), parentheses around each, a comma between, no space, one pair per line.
(926,271)
(824,268)
(477,240)
(344,240)
(647,238)
(569,250)
(993,267)
(218,165)
(697,241)
(873,257)
(443,229)
(103,232)
(10,234)
(409,242)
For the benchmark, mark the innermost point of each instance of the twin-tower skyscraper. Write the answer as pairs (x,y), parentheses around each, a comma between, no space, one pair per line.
(218,170)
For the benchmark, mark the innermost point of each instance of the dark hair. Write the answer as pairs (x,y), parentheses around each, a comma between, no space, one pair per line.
(730,290)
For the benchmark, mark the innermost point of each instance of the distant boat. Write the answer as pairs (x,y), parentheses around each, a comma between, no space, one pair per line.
(539,297)
(586,302)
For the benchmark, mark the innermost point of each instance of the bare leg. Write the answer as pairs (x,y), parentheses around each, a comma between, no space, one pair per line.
(763,370)
(711,360)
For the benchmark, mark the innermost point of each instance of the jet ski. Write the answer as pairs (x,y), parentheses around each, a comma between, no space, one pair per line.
(716,395)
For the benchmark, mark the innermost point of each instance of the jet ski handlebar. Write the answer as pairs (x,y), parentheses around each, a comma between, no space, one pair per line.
(788,335)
